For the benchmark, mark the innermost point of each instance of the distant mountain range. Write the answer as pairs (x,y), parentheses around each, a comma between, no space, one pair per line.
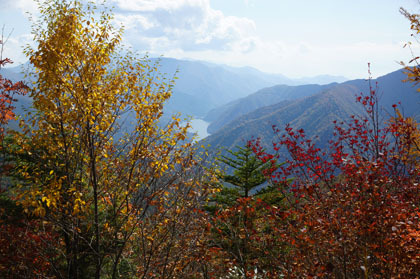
(202,86)
(244,103)
(310,107)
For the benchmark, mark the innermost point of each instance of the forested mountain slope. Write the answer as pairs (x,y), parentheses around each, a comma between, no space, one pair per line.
(316,113)
(264,97)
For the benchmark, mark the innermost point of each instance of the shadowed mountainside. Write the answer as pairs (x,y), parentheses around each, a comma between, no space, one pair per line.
(223,115)
(316,113)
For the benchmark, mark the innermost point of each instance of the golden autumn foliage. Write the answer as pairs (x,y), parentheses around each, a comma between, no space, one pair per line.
(413,73)
(408,127)
(94,162)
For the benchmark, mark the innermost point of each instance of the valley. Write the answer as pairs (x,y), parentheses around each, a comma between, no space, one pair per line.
(229,106)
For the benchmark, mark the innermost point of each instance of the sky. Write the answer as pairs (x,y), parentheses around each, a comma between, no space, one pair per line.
(297,38)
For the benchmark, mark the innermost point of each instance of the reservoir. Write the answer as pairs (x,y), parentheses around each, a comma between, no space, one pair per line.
(199,126)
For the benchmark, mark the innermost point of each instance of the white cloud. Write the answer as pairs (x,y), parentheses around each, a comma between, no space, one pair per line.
(249,3)
(23,5)
(13,49)
(193,29)
(134,21)
(191,25)
(27,5)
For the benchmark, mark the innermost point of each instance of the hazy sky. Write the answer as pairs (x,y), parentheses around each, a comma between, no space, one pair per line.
(294,37)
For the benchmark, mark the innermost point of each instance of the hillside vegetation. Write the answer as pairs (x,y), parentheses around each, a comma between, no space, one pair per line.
(314,113)
(320,181)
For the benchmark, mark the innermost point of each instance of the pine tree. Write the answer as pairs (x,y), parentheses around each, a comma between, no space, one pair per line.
(247,170)
(240,234)
(245,176)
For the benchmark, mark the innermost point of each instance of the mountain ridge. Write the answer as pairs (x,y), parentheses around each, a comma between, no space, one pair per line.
(200,86)
(264,97)
(316,113)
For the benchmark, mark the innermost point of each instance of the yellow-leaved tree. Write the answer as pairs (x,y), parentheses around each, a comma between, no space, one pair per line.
(410,125)
(413,72)
(120,191)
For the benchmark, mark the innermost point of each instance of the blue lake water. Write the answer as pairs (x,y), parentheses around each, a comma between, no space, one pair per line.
(199,126)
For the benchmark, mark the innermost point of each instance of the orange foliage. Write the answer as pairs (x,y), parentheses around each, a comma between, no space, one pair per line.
(355,210)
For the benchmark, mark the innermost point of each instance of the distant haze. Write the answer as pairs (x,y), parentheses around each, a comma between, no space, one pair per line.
(295,38)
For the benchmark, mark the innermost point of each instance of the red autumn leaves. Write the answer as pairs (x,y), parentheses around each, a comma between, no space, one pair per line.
(352,210)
